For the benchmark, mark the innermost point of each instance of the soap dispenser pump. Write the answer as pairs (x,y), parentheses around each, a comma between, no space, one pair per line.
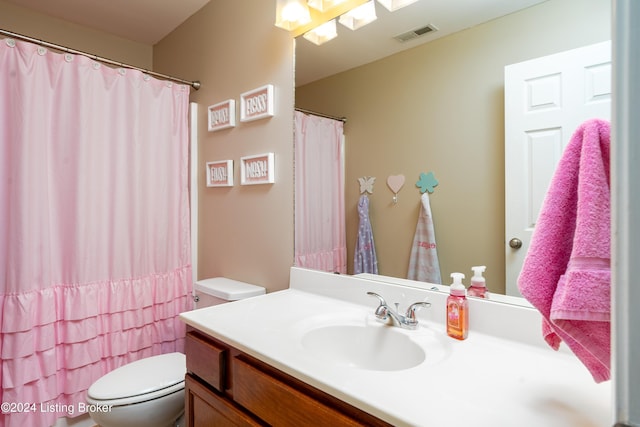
(478,286)
(457,309)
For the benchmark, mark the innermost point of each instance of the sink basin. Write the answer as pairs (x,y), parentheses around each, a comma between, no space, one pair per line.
(372,346)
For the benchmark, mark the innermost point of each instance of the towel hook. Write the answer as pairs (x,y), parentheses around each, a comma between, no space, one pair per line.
(427,182)
(395,183)
(366,184)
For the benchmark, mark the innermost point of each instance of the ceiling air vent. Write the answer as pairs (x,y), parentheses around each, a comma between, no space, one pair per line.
(413,34)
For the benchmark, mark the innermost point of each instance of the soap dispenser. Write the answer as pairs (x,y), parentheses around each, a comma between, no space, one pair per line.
(457,309)
(478,286)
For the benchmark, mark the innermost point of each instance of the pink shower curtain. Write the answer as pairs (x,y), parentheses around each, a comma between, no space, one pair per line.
(94,226)
(320,241)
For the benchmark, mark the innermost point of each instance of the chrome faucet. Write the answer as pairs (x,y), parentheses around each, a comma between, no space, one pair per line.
(408,321)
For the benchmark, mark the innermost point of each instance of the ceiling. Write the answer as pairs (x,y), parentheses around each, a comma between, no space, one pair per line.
(144,21)
(376,40)
(148,21)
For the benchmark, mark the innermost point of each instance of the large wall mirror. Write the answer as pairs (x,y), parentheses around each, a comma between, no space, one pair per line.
(438,106)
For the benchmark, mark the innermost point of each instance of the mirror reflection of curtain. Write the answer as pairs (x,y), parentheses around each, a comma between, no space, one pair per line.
(94,225)
(320,241)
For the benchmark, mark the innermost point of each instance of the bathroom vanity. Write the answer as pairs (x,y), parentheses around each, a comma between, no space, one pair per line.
(315,354)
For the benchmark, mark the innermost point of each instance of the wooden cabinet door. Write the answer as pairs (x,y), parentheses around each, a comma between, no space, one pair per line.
(206,360)
(205,408)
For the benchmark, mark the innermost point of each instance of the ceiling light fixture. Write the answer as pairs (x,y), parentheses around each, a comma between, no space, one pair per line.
(359,16)
(291,14)
(324,5)
(393,5)
(291,8)
(308,17)
(322,33)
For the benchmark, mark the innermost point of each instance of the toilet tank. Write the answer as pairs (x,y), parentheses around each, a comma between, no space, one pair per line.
(218,290)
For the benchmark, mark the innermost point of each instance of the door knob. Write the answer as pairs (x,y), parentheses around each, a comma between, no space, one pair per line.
(515,243)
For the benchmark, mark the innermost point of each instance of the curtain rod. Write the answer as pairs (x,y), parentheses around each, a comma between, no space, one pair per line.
(194,84)
(302,110)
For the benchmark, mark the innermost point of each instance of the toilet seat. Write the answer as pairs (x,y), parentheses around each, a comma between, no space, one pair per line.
(145,379)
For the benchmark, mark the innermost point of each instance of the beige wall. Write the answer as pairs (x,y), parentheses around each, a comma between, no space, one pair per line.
(439,107)
(42,27)
(246,232)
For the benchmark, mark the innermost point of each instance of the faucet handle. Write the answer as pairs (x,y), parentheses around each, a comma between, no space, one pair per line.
(382,312)
(373,294)
(411,311)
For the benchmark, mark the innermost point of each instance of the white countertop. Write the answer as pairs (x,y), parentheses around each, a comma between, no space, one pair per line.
(482,381)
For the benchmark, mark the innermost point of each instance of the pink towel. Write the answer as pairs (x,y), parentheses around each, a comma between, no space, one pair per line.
(566,274)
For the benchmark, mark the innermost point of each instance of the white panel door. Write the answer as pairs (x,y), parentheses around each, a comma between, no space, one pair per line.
(546,99)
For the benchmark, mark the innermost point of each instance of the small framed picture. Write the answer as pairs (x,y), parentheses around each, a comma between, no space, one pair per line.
(222,115)
(256,104)
(257,169)
(220,173)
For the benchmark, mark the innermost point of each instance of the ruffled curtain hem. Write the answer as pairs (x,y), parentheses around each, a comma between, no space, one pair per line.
(50,361)
(334,261)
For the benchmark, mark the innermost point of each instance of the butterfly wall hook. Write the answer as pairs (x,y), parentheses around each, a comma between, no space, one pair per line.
(366,184)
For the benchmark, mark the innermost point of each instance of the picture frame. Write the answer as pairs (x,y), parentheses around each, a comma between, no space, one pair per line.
(222,115)
(257,169)
(220,173)
(257,104)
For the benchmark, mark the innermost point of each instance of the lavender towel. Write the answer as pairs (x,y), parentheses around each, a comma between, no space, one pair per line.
(365,260)
(566,274)
(423,262)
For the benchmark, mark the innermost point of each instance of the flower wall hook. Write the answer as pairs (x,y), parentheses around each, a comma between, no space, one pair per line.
(427,182)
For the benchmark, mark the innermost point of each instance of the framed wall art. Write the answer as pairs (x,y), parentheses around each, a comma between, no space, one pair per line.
(256,104)
(257,169)
(222,115)
(220,173)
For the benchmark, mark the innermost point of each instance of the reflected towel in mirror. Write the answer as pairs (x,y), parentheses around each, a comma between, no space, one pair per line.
(365,260)
(423,262)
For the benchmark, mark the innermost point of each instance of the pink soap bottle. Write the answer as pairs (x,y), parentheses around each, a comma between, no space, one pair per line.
(457,309)
(478,286)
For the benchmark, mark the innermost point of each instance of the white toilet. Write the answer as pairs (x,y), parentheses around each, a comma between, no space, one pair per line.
(150,392)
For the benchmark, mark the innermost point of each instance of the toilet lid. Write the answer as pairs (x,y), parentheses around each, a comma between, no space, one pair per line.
(140,377)
(228,289)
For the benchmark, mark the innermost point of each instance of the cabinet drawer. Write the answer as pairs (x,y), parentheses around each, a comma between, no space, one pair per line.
(206,360)
(278,403)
